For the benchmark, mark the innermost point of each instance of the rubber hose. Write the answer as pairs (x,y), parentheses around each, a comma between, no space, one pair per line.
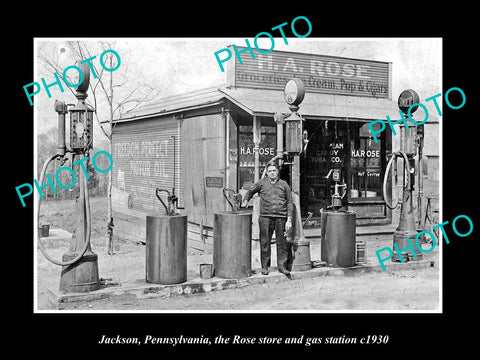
(88,214)
(406,167)
(87,205)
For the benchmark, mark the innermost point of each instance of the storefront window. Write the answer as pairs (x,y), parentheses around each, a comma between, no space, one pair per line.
(326,150)
(246,155)
(365,165)
(348,148)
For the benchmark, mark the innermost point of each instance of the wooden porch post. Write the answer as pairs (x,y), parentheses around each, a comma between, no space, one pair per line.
(256,200)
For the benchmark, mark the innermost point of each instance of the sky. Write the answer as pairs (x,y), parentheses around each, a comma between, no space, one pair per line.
(178,65)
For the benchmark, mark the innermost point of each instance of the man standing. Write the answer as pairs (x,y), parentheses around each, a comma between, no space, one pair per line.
(276,209)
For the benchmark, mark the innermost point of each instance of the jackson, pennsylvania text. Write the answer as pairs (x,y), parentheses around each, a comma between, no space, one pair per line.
(244,340)
(149,339)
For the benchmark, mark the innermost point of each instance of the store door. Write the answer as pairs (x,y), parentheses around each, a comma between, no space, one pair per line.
(326,150)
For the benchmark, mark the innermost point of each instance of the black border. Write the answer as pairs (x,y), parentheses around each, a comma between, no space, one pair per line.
(410,334)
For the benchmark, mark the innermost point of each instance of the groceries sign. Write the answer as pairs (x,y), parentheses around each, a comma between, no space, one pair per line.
(320,73)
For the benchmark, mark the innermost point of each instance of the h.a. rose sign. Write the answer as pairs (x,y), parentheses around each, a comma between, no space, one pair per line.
(320,73)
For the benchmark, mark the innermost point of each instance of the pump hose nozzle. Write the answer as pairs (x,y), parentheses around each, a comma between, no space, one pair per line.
(171,198)
(88,231)
(236,198)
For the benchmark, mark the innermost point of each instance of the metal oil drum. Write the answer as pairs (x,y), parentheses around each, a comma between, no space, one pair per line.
(232,244)
(338,238)
(166,249)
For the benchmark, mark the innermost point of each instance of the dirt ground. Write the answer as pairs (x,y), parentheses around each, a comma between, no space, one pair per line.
(403,290)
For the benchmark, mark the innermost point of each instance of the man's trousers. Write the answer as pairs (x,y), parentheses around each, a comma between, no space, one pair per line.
(267,225)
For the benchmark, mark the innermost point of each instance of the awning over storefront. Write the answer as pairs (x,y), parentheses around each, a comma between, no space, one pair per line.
(267,102)
(261,102)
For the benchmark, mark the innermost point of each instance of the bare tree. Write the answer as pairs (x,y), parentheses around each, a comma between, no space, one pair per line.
(112,93)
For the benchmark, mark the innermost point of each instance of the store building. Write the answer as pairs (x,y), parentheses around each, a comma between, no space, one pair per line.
(203,141)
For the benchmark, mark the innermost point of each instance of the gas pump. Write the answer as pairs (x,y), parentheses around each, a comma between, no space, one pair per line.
(338,245)
(233,198)
(166,240)
(410,139)
(232,239)
(336,197)
(172,201)
(166,243)
(295,143)
(79,264)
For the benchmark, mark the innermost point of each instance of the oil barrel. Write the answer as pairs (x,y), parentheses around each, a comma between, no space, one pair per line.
(166,249)
(338,238)
(232,244)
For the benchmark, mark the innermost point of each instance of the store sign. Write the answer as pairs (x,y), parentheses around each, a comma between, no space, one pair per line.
(213,181)
(246,149)
(332,152)
(365,157)
(406,99)
(362,153)
(319,73)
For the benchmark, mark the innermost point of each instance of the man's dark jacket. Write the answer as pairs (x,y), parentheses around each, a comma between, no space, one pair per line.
(275,200)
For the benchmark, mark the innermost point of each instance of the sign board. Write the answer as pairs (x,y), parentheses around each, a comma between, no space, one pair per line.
(213,181)
(406,99)
(320,73)
(326,154)
(246,149)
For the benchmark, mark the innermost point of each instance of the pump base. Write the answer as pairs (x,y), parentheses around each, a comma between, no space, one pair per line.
(400,239)
(300,256)
(396,257)
(81,276)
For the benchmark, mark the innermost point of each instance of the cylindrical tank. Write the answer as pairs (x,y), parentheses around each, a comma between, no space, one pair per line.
(166,257)
(338,238)
(232,244)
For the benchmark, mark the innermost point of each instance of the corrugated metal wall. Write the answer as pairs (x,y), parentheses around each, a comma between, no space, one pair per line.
(143,154)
